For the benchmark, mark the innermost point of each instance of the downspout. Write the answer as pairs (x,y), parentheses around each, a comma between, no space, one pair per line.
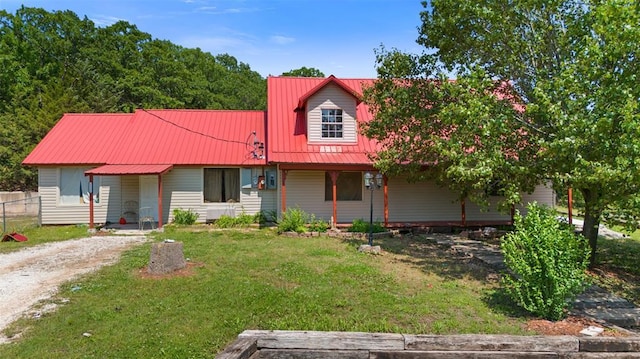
(385,190)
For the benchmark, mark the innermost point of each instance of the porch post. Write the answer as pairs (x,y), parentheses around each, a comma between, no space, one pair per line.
(284,190)
(464,212)
(570,205)
(385,190)
(159,201)
(91,202)
(334,187)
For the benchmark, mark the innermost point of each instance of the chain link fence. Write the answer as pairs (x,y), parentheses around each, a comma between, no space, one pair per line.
(20,214)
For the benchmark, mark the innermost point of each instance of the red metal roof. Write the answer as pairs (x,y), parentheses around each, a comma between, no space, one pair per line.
(113,170)
(287,140)
(153,137)
(79,139)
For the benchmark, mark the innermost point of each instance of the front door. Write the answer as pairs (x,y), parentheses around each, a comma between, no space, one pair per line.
(149,195)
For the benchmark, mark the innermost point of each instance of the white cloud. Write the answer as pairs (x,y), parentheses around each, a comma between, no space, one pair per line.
(281,40)
(103,20)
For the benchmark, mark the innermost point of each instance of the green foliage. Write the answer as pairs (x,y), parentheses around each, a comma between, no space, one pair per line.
(241,220)
(318,225)
(55,62)
(185,216)
(293,220)
(571,64)
(304,72)
(547,263)
(261,281)
(360,226)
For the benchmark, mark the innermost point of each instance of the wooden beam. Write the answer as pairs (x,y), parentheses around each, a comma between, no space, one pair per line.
(90,202)
(385,190)
(160,201)
(334,187)
(283,189)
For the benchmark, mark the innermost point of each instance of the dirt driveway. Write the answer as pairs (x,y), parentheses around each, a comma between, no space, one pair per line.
(33,274)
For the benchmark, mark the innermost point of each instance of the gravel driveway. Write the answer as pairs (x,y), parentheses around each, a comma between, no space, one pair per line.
(34,273)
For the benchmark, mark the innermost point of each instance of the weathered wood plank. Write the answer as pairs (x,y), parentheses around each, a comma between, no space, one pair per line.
(407,354)
(476,342)
(241,348)
(609,344)
(326,340)
(619,355)
(313,354)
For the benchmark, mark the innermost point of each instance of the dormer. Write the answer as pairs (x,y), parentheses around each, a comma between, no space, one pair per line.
(330,111)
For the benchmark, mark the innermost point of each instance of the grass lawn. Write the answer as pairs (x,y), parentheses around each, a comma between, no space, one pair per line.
(255,279)
(39,235)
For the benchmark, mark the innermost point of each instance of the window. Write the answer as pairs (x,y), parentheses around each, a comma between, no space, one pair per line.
(74,186)
(221,185)
(331,123)
(348,187)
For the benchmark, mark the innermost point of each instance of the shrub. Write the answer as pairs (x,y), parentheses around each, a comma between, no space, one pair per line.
(293,220)
(360,226)
(547,263)
(225,221)
(182,216)
(318,225)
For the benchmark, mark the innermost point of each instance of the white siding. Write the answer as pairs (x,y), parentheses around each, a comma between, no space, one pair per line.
(421,202)
(54,213)
(305,189)
(331,97)
(183,188)
(543,194)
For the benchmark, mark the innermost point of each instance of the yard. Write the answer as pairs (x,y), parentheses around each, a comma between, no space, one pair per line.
(255,279)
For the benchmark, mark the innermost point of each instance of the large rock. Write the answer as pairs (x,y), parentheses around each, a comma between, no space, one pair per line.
(166,257)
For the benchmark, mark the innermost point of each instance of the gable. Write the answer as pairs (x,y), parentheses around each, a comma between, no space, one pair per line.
(331,97)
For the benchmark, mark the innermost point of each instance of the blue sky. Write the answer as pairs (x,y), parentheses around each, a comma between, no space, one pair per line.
(272,36)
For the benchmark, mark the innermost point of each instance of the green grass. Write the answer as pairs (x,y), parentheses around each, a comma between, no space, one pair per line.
(40,235)
(617,269)
(257,280)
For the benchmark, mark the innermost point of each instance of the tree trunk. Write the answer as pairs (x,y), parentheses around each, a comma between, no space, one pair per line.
(591,222)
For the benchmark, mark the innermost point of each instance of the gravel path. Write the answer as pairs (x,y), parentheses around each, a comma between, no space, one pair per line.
(34,273)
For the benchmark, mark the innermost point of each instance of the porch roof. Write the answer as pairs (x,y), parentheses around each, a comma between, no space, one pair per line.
(117,170)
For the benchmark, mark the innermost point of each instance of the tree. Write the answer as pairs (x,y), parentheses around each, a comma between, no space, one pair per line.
(573,65)
(304,72)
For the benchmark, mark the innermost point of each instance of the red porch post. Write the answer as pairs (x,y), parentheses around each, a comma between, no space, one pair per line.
(91,202)
(385,190)
(284,189)
(159,201)
(334,187)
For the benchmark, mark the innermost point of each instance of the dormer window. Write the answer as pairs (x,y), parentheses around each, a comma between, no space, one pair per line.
(331,123)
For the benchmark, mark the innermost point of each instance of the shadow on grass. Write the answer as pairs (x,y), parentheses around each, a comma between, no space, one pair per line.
(424,252)
(617,269)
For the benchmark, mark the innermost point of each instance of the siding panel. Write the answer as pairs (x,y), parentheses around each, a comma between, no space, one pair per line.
(331,97)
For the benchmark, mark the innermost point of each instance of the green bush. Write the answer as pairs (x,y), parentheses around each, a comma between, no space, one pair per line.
(547,263)
(318,225)
(293,220)
(225,221)
(241,220)
(360,226)
(182,216)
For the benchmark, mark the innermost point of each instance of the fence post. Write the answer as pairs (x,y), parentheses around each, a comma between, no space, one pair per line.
(4,219)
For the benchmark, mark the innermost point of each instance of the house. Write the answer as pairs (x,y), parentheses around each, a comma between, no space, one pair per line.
(305,151)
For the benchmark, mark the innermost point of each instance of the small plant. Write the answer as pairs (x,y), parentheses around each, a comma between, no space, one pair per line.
(318,225)
(225,221)
(293,220)
(360,226)
(186,217)
(547,263)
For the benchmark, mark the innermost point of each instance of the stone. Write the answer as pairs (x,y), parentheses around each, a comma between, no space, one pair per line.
(166,257)
(365,248)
